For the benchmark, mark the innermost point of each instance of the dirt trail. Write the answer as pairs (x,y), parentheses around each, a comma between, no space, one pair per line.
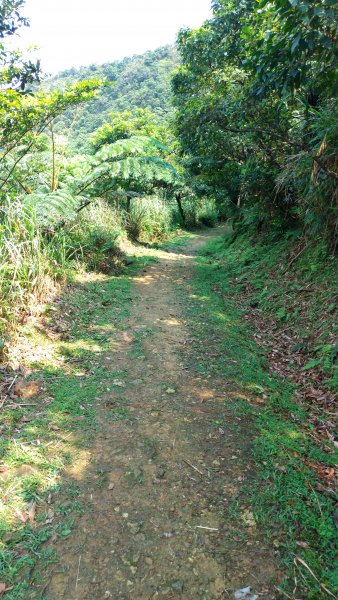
(158,525)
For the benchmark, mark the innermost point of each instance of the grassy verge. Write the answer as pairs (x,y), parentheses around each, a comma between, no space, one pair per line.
(293,498)
(48,423)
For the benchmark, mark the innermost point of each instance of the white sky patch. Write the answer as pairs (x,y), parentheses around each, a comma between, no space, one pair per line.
(81,32)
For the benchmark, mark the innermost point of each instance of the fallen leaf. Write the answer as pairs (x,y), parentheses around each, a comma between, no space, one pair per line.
(23,518)
(248,518)
(27,389)
(31,512)
(4,588)
(302,544)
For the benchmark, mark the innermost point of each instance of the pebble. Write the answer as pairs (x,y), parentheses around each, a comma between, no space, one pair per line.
(177,586)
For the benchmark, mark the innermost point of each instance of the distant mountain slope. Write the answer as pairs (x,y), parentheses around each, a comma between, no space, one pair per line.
(140,82)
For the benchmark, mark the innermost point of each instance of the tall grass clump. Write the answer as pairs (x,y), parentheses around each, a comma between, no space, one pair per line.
(26,266)
(149,219)
(94,237)
(33,258)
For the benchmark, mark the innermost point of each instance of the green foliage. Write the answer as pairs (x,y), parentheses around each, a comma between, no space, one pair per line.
(125,164)
(94,238)
(54,207)
(26,264)
(126,124)
(141,82)
(23,118)
(293,506)
(199,211)
(256,116)
(32,262)
(15,73)
(296,294)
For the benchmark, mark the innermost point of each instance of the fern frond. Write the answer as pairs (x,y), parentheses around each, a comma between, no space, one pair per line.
(147,168)
(137,144)
(54,207)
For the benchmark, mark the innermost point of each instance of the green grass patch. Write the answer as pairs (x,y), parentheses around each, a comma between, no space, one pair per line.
(286,496)
(41,439)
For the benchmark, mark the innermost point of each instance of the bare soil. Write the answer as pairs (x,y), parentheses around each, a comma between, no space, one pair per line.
(158,486)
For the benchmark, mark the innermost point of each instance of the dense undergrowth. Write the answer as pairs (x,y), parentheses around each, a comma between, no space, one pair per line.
(255,297)
(35,262)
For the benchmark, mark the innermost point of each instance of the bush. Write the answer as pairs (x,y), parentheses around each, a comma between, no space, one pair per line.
(94,237)
(208,213)
(200,211)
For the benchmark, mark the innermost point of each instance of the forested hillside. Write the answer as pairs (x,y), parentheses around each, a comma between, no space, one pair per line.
(137,82)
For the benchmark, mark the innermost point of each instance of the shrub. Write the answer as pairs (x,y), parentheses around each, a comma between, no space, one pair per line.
(94,237)
(200,211)
(33,260)
(208,213)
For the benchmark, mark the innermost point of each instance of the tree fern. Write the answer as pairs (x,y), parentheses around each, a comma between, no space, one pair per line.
(110,167)
(148,168)
(56,206)
(137,144)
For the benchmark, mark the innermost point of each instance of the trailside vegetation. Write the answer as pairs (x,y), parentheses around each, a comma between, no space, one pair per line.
(62,209)
(256,112)
(101,154)
(256,119)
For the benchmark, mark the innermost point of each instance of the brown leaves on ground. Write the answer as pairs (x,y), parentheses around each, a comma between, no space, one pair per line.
(4,588)
(287,354)
(27,389)
(27,516)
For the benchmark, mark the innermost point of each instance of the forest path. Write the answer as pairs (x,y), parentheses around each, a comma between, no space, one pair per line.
(160,485)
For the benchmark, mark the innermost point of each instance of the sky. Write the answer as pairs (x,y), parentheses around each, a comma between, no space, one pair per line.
(81,32)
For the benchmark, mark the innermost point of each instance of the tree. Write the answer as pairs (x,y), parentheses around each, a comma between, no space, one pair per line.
(128,167)
(15,72)
(125,124)
(252,98)
(23,118)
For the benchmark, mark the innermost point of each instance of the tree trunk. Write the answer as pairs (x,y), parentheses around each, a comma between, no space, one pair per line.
(180,208)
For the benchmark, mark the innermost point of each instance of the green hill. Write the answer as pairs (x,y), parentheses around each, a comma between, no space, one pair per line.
(136,82)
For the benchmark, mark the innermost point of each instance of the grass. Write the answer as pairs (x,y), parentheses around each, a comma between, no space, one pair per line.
(41,441)
(291,506)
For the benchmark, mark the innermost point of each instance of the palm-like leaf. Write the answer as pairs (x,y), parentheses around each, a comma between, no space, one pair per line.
(56,206)
(111,164)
